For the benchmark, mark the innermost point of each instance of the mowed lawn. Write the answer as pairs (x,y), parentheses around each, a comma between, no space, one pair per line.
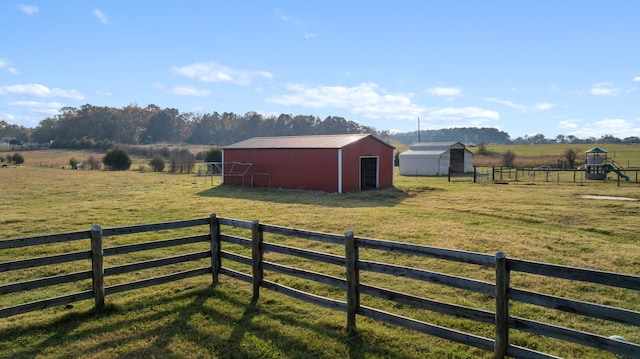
(547,223)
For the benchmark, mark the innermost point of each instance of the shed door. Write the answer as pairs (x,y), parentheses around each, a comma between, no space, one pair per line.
(457,161)
(368,173)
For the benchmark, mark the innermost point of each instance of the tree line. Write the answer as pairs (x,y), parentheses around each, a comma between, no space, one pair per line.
(102,127)
(95,126)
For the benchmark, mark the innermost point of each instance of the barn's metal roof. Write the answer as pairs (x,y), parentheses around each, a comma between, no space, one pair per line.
(312,141)
(423,153)
(434,147)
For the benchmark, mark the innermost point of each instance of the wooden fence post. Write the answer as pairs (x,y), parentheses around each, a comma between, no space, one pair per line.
(353,279)
(214,233)
(97,266)
(256,256)
(502,307)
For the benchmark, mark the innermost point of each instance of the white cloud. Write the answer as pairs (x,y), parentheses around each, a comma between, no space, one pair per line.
(467,116)
(214,72)
(31,112)
(35,101)
(365,99)
(37,90)
(570,124)
(189,91)
(604,89)
(299,25)
(636,79)
(104,93)
(28,9)
(6,64)
(444,91)
(507,103)
(101,16)
(370,101)
(540,106)
(616,127)
(38,108)
(8,116)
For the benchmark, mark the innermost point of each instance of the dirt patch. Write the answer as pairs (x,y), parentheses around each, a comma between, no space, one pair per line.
(589,196)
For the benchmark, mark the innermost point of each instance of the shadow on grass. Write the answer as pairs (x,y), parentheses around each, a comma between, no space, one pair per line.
(386,197)
(207,322)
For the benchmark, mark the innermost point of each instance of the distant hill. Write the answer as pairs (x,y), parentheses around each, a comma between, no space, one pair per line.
(465,135)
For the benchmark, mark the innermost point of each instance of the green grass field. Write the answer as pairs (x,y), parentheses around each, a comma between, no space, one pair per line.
(190,319)
(627,156)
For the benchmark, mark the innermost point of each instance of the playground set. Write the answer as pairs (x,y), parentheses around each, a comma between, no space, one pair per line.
(598,165)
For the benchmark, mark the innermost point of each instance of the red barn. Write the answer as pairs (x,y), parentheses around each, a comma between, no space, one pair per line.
(330,163)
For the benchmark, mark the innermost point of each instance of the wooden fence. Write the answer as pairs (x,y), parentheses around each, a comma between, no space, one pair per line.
(351,284)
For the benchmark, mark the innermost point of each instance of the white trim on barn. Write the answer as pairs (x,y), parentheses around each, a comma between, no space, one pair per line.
(222,174)
(340,170)
(435,159)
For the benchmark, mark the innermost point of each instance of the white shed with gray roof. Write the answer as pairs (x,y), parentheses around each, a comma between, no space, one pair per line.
(435,159)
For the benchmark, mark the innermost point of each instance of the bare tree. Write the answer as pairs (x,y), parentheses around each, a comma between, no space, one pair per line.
(507,158)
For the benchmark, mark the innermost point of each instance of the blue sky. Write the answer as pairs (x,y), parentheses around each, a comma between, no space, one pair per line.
(524,67)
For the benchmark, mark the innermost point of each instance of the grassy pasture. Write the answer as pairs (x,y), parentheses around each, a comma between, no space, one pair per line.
(628,156)
(190,319)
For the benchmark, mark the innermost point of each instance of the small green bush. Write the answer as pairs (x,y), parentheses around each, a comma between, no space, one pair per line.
(17,158)
(157,163)
(483,150)
(73,162)
(117,159)
(213,155)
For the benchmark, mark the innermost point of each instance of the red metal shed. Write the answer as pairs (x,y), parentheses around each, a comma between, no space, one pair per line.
(331,163)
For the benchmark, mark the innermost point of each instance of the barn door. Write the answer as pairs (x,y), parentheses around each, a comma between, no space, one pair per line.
(368,173)
(457,161)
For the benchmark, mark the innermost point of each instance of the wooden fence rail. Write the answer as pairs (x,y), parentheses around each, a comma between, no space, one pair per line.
(350,284)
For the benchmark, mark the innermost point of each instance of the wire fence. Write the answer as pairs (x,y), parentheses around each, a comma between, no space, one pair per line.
(545,175)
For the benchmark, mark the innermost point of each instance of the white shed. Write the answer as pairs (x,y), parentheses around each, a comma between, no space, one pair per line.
(435,159)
